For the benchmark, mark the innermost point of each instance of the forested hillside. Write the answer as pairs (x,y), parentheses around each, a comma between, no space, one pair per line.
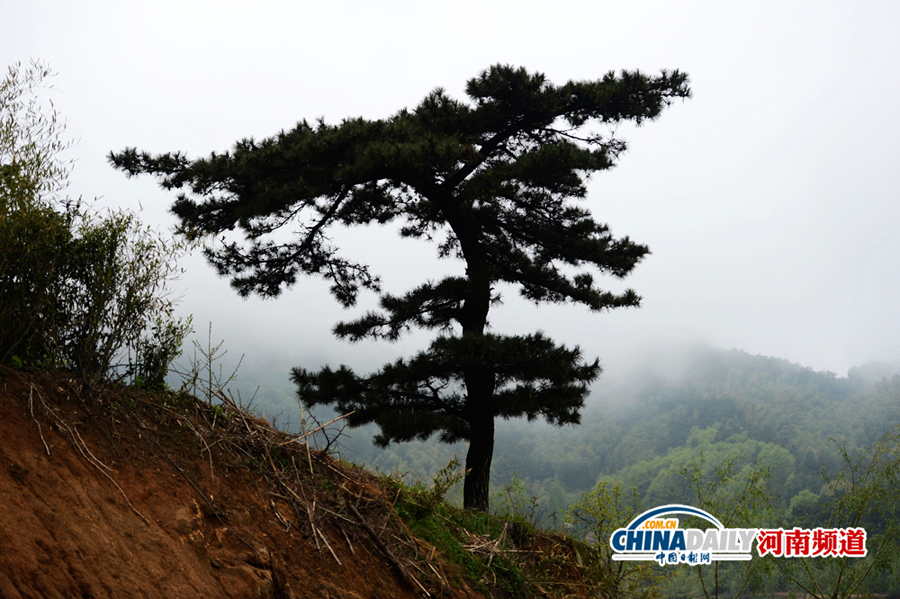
(641,428)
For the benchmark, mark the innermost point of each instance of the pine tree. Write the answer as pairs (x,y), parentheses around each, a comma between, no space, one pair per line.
(493,183)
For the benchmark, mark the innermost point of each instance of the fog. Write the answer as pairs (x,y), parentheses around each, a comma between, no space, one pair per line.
(769,200)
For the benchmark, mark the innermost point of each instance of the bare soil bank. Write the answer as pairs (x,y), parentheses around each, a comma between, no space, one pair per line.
(118,493)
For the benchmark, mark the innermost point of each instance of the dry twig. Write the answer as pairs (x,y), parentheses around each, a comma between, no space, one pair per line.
(85,451)
(31,407)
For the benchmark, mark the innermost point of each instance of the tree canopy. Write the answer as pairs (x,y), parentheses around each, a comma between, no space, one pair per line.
(493,182)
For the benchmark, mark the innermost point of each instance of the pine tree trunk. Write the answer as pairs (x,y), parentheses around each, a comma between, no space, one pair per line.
(479,377)
(476,488)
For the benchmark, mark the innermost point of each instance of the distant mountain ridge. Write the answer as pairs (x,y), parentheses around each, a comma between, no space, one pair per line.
(631,429)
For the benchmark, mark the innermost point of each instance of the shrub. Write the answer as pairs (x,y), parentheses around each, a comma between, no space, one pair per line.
(114,294)
(513,502)
(33,236)
(594,518)
(33,240)
(78,290)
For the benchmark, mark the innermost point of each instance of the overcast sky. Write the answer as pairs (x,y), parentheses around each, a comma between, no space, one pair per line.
(769,200)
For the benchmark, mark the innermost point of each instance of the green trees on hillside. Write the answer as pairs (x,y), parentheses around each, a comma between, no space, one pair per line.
(493,183)
(636,432)
(78,290)
(862,494)
(736,488)
(595,517)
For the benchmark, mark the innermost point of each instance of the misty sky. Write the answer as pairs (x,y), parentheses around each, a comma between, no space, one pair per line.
(769,200)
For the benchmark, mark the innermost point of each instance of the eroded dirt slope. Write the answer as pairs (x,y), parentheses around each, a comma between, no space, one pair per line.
(115,493)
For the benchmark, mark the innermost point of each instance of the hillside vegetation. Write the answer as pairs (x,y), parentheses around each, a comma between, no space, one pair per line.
(114,485)
(135,491)
(117,492)
(758,440)
(724,403)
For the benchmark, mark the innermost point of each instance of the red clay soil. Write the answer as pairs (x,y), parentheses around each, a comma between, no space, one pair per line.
(99,500)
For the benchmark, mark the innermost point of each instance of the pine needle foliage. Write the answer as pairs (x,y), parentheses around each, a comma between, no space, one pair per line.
(494,182)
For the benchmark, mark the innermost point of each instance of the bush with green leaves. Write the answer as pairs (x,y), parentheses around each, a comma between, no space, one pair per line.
(863,494)
(120,314)
(33,235)
(593,518)
(513,502)
(33,240)
(736,488)
(79,290)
